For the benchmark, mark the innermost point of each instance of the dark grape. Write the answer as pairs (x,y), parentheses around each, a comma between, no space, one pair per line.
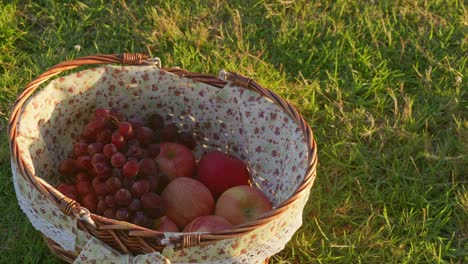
(140,187)
(134,205)
(109,200)
(147,167)
(154,182)
(67,167)
(139,218)
(155,212)
(101,207)
(130,168)
(109,213)
(126,130)
(117,113)
(122,214)
(156,122)
(80,148)
(118,160)
(135,152)
(127,182)
(153,150)
(113,184)
(109,149)
(144,134)
(136,122)
(123,197)
(169,133)
(117,172)
(187,140)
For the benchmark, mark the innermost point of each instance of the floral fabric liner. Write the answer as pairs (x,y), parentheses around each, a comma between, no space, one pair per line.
(231,119)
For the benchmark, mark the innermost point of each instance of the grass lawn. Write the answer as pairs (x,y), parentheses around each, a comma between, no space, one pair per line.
(383,84)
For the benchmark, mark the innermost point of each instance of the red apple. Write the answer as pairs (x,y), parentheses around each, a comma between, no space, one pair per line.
(186,199)
(165,224)
(175,160)
(220,171)
(242,204)
(208,223)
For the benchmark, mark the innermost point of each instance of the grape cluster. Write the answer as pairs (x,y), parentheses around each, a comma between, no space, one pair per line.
(111,170)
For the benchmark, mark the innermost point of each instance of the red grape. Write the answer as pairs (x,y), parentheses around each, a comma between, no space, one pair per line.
(102,169)
(67,190)
(113,184)
(126,130)
(140,187)
(109,149)
(109,200)
(123,197)
(118,140)
(93,127)
(144,134)
(109,213)
(98,158)
(139,218)
(153,204)
(80,148)
(90,202)
(82,176)
(156,122)
(187,139)
(94,148)
(147,167)
(83,188)
(118,160)
(169,133)
(101,112)
(151,200)
(67,167)
(83,162)
(134,205)
(122,214)
(130,168)
(99,186)
(104,136)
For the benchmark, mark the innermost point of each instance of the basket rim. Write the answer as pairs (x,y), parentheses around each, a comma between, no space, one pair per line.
(71,207)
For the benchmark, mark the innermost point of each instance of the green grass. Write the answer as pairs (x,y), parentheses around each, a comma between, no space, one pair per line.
(383,84)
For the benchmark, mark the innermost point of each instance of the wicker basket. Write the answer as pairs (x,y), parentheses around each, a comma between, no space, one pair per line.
(65,218)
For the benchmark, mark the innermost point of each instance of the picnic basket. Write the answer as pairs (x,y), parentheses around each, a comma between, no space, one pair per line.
(229,111)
